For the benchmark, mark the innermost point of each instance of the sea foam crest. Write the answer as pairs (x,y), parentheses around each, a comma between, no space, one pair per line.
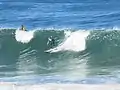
(24,36)
(74,41)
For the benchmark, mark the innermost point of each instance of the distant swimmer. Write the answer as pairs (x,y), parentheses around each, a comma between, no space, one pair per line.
(23,28)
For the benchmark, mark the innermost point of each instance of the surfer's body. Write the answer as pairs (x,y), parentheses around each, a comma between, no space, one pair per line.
(23,28)
(51,41)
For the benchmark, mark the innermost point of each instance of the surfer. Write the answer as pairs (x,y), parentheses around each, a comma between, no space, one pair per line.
(51,41)
(23,28)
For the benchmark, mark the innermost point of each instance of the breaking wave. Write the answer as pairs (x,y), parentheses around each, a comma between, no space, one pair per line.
(59,52)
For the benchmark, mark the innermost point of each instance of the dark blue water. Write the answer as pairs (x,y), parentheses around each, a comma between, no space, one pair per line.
(29,63)
(49,14)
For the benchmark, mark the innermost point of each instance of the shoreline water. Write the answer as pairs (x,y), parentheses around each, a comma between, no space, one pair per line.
(8,86)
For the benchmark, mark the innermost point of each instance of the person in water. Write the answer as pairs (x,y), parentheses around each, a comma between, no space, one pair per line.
(51,41)
(23,28)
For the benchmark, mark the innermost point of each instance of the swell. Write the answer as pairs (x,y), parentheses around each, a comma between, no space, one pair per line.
(101,49)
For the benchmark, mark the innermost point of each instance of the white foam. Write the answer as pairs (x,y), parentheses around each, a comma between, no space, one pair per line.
(24,36)
(75,42)
(53,86)
(67,33)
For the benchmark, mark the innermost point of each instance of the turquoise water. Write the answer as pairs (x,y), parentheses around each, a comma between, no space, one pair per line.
(94,60)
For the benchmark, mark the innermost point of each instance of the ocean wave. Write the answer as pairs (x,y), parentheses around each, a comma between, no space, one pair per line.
(73,51)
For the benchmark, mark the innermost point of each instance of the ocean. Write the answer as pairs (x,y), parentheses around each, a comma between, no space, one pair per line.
(66,42)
